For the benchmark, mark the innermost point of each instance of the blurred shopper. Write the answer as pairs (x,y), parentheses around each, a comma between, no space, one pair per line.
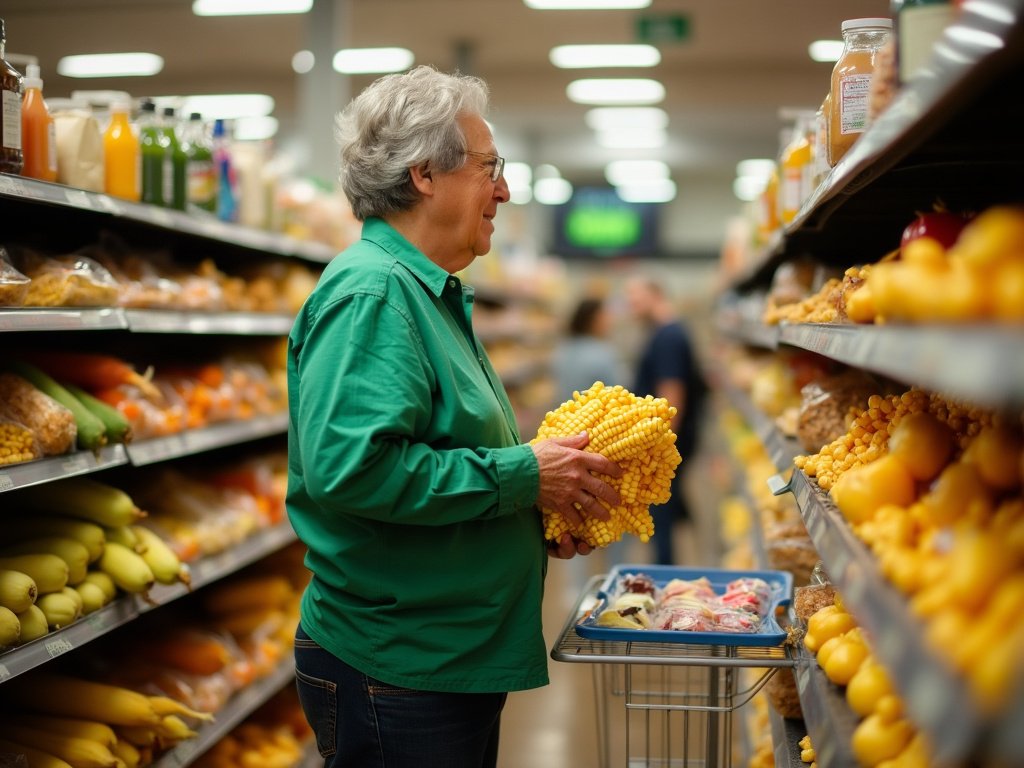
(586,355)
(407,479)
(668,368)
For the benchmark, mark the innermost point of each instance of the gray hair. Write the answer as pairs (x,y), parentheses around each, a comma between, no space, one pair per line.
(398,122)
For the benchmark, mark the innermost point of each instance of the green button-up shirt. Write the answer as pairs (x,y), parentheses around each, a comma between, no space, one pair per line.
(407,482)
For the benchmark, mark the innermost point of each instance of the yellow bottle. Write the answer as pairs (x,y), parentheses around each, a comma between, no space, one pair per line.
(121,155)
(796,170)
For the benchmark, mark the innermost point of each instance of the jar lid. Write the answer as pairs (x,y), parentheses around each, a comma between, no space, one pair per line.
(862,23)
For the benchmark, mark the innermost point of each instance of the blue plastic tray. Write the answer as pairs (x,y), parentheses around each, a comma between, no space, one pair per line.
(771,633)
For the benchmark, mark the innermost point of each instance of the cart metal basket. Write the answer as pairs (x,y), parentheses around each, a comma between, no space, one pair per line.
(677,699)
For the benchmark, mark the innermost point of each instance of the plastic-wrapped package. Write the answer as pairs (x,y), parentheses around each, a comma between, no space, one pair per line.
(67,281)
(17,443)
(826,403)
(52,424)
(749,594)
(13,284)
(797,555)
(728,619)
(809,599)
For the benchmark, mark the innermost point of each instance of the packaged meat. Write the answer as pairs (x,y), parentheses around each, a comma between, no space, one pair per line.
(51,423)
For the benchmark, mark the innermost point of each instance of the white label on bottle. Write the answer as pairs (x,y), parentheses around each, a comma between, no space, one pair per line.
(202,182)
(12,120)
(168,180)
(51,146)
(792,190)
(853,103)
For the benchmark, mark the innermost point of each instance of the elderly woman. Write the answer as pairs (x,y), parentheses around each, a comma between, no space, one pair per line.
(407,479)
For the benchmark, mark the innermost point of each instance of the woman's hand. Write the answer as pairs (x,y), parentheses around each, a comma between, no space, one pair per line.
(566,478)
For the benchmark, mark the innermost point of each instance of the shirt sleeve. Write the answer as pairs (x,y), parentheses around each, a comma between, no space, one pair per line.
(365,397)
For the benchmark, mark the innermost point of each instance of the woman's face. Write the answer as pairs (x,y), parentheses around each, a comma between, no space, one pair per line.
(468,199)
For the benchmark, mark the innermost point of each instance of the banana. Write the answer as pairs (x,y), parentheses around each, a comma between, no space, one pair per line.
(74,750)
(104,582)
(89,534)
(17,590)
(166,567)
(84,498)
(72,594)
(49,572)
(70,551)
(138,736)
(127,753)
(125,536)
(67,696)
(33,624)
(92,597)
(172,730)
(10,628)
(69,726)
(128,570)
(36,757)
(165,705)
(59,609)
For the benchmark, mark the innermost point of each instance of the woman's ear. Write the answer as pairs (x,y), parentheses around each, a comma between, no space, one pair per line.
(422,178)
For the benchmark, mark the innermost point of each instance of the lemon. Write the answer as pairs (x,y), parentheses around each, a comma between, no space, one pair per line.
(923,443)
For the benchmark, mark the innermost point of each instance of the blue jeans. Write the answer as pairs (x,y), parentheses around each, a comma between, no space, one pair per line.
(361,722)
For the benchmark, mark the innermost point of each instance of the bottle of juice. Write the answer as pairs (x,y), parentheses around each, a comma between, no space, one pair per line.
(121,156)
(851,81)
(795,167)
(153,148)
(175,163)
(201,176)
(38,131)
(227,198)
(11,158)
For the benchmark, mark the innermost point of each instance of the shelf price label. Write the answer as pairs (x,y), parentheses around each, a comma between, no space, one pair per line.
(59,646)
(4,672)
(6,482)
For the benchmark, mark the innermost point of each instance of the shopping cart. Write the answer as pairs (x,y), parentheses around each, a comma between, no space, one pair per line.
(678,700)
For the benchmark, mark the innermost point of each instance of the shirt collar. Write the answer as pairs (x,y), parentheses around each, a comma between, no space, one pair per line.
(409,256)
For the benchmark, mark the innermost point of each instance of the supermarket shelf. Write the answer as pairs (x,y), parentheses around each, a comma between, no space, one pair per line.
(129,607)
(936,700)
(193,441)
(741,321)
(204,226)
(235,323)
(57,467)
(828,718)
(903,157)
(239,707)
(781,448)
(944,358)
(786,735)
(62,319)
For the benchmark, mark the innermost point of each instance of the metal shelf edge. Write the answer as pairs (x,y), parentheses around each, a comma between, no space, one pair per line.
(236,323)
(62,319)
(786,735)
(189,442)
(57,467)
(830,721)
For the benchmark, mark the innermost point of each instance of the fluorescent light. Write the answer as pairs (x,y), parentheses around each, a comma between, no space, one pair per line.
(586,5)
(639,139)
(229,106)
(625,118)
(755,166)
(615,91)
(656,191)
(354,61)
(748,188)
(826,50)
(256,128)
(546,171)
(249,7)
(110,65)
(625,171)
(520,196)
(580,56)
(519,177)
(303,61)
(553,191)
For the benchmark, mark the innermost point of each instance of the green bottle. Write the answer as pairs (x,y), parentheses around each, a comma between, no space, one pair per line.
(201,176)
(175,165)
(153,148)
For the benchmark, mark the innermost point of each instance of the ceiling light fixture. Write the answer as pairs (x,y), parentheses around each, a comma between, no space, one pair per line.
(633,91)
(249,7)
(519,177)
(825,50)
(229,106)
(626,118)
(581,56)
(652,138)
(586,5)
(358,61)
(552,191)
(110,65)
(755,166)
(655,191)
(619,172)
(748,188)
(254,128)
(303,62)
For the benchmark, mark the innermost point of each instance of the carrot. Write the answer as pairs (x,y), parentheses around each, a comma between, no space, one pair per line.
(93,371)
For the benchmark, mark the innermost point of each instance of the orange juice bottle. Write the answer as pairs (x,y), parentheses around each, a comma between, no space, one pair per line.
(795,166)
(121,155)
(851,81)
(38,132)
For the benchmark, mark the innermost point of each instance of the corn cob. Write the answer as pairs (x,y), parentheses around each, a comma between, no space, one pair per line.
(59,609)
(166,567)
(635,433)
(75,751)
(36,757)
(69,726)
(35,526)
(49,572)
(10,627)
(127,569)
(85,498)
(17,590)
(71,551)
(67,696)
(117,427)
(33,624)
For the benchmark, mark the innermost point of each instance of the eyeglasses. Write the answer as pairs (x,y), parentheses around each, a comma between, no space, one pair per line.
(498,166)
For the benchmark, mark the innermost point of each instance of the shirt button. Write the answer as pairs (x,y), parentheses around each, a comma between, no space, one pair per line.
(451,283)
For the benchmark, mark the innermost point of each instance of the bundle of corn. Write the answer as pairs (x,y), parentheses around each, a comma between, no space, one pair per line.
(635,432)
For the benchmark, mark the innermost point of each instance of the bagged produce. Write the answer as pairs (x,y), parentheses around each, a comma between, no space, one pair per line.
(13,284)
(79,149)
(825,407)
(17,443)
(51,423)
(67,281)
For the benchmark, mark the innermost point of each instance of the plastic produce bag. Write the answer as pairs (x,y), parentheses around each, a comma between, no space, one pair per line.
(67,281)
(826,403)
(17,443)
(13,284)
(52,424)
(79,149)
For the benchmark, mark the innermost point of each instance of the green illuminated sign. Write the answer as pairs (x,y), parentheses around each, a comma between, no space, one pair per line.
(589,226)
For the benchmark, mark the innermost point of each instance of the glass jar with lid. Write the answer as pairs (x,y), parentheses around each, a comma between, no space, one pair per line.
(11,158)
(851,81)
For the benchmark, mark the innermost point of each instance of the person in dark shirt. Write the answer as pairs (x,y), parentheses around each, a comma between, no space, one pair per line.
(668,368)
